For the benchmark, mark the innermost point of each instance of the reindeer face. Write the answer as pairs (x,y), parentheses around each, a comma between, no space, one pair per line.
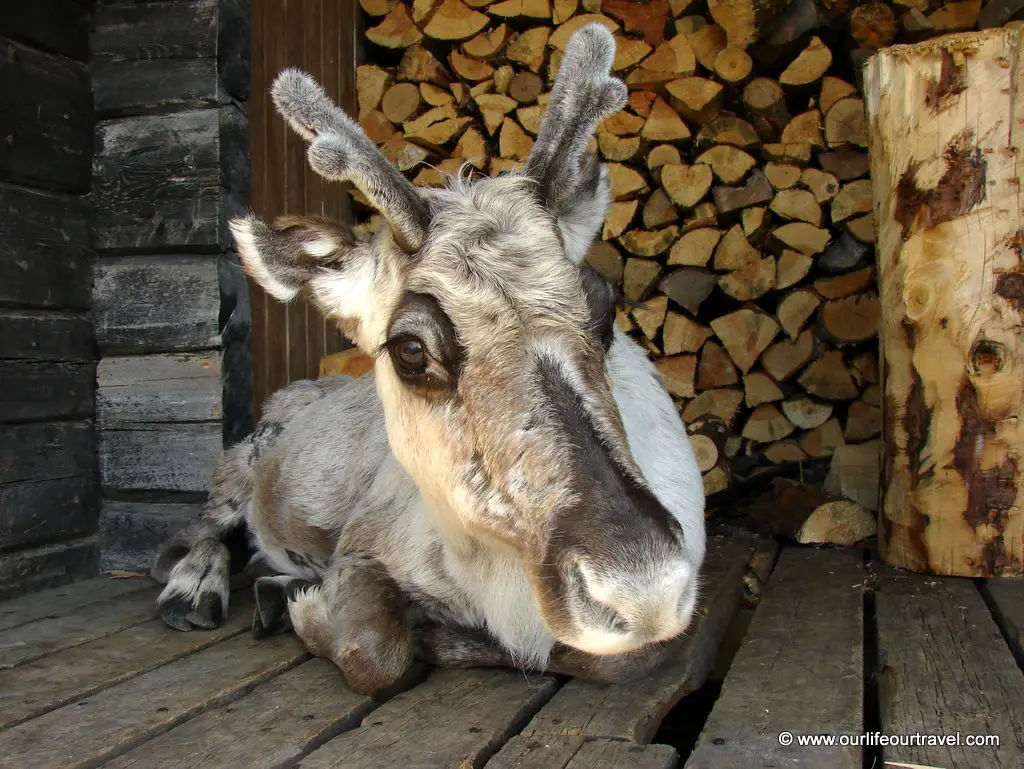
(491,346)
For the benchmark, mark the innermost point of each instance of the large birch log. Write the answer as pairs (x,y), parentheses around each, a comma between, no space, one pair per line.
(946,124)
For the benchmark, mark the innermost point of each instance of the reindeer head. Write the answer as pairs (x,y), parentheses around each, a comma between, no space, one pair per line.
(490,343)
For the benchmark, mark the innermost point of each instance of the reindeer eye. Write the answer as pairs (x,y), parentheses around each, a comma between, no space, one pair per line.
(410,356)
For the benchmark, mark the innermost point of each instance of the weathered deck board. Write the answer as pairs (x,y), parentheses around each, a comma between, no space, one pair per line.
(799,669)
(101,727)
(548,752)
(613,754)
(32,689)
(60,600)
(944,668)
(1007,597)
(278,722)
(634,711)
(45,636)
(456,718)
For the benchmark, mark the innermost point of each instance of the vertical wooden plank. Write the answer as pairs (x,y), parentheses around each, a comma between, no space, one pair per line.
(294,180)
(276,22)
(321,37)
(258,163)
(945,671)
(799,670)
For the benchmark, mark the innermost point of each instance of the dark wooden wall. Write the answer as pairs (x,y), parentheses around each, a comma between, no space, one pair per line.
(48,490)
(321,37)
(171,80)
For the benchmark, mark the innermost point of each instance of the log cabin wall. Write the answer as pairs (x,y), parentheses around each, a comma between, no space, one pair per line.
(48,488)
(742,213)
(323,38)
(170,167)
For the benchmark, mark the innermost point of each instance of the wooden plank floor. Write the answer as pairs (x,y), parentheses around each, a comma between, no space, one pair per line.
(822,644)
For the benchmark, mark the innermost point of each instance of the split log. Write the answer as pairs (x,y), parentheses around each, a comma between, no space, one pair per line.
(371,84)
(822,441)
(733,65)
(846,253)
(664,125)
(708,41)
(845,285)
(785,358)
(528,48)
(681,334)
(837,523)
(853,473)
(401,102)
(809,67)
(873,25)
(806,413)
(658,211)
(606,259)
(730,164)
(688,287)
(649,243)
(489,42)
(678,374)
(757,189)
(695,247)
(823,185)
(845,123)
(782,175)
(767,424)
(723,403)
(846,162)
(760,388)
(745,21)
(851,319)
(746,334)
(765,102)
(829,378)
(639,277)
(734,251)
(686,185)
(525,87)
(715,368)
(832,90)
(792,267)
(619,217)
(454,20)
(651,317)
(750,282)
(946,181)
(795,309)
(397,30)
(797,204)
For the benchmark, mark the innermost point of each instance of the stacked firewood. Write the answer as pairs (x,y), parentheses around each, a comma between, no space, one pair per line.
(741,221)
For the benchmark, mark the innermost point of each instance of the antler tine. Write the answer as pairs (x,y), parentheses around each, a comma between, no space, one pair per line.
(584,94)
(339,150)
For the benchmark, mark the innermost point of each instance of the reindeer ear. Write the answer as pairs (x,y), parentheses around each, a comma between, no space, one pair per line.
(286,256)
(572,183)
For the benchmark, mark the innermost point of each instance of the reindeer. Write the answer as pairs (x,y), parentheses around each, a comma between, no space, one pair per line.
(511,485)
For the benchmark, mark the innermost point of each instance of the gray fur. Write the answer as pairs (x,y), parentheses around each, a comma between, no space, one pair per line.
(532,485)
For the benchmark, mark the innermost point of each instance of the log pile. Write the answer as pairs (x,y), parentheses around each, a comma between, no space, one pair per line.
(742,209)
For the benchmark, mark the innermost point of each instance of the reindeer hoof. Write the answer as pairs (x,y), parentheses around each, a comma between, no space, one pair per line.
(196,595)
(180,613)
(272,595)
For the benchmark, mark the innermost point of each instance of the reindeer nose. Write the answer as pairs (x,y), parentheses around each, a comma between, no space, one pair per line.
(650,603)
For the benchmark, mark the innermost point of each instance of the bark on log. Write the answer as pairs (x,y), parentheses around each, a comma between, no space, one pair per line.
(946,132)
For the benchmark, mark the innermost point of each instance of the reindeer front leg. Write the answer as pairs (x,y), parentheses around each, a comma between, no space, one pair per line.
(453,646)
(356,617)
